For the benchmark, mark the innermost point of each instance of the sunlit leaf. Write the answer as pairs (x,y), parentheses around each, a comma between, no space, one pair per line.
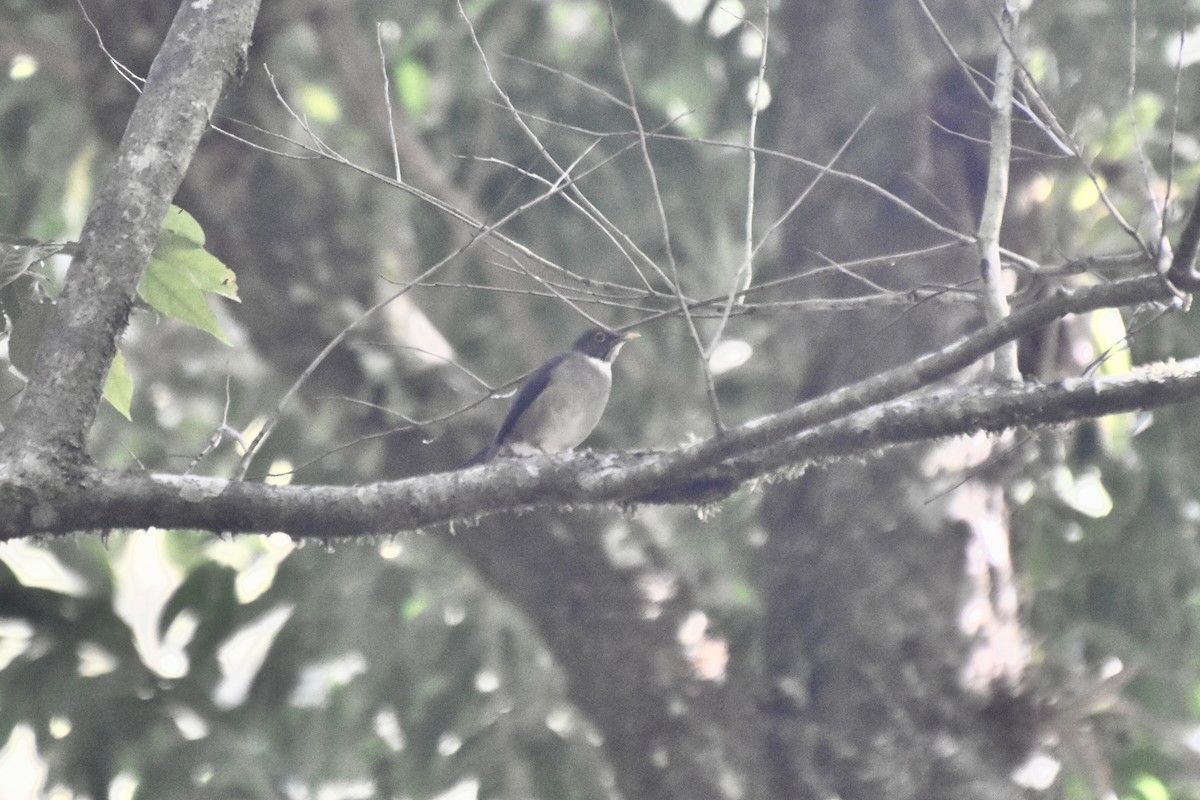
(414,606)
(182,243)
(169,289)
(1084,195)
(118,388)
(1108,331)
(412,85)
(181,271)
(1148,787)
(319,104)
(203,268)
(184,225)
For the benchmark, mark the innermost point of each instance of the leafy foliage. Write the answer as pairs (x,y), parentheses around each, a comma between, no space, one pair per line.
(181,272)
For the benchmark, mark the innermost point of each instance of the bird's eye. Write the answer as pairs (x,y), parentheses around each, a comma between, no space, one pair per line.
(599,336)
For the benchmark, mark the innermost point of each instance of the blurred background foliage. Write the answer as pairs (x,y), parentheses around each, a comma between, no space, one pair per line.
(181,664)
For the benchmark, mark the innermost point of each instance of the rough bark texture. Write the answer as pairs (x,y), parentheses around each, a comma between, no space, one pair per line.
(668,734)
(866,577)
(95,498)
(204,48)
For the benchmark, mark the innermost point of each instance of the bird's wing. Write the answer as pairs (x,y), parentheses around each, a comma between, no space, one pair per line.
(530,392)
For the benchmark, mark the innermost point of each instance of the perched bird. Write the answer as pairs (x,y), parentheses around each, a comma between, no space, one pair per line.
(18,254)
(562,401)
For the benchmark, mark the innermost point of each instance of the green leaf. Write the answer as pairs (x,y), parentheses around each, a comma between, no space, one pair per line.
(1148,787)
(205,270)
(413,86)
(1108,331)
(169,289)
(318,103)
(414,605)
(118,389)
(181,272)
(184,225)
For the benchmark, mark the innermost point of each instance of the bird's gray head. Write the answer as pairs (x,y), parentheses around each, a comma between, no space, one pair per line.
(602,343)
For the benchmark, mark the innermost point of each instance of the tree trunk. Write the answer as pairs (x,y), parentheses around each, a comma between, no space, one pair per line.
(877,686)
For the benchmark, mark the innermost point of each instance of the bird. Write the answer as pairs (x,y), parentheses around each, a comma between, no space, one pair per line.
(18,254)
(562,401)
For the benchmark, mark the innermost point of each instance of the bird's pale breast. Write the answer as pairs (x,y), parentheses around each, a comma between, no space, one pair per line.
(569,408)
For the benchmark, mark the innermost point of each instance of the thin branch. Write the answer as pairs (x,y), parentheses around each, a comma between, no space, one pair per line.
(1170,188)
(591,87)
(714,405)
(1130,94)
(256,146)
(387,100)
(745,274)
(577,201)
(276,415)
(958,60)
(1139,147)
(128,75)
(1047,114)
(995,301)
(219,433)
(823,170)
(543,151)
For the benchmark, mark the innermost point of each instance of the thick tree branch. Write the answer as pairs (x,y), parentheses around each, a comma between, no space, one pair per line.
(107,499)
(907,378)
(206,44)
(949,412)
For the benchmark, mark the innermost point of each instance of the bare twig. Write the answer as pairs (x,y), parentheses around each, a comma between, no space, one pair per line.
(714,405)
(745,274)
(130,77)
(387,100)
(1166,203)
(612,232)
(1146,168)
(591,87)
(958,60)
(545,153)
(995,301)
(219,433)
(453,211)
(1062,136)
(485,230)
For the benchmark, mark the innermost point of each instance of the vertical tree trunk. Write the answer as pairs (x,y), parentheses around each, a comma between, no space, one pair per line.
(877,689)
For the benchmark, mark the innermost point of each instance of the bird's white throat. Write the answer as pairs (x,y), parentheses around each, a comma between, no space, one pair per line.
(600,364)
